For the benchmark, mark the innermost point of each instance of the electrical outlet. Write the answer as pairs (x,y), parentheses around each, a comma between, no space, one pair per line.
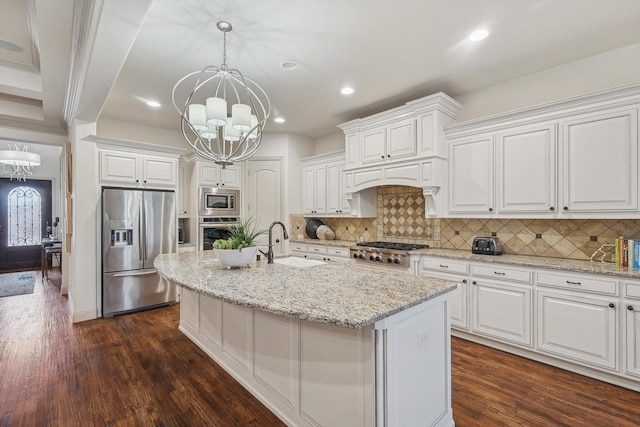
(423,338)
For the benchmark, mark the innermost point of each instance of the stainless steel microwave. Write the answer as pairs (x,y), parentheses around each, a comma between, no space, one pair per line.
(218,202)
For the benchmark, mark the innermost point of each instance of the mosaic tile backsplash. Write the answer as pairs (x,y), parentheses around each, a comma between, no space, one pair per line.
(401,219)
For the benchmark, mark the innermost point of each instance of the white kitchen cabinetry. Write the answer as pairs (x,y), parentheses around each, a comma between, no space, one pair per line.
(323,186)
(455,271)
(389,143)
(574,158)
(574,323)
(600,161)
(632,326)
(320,252)
(526,169)
(471,175)
(183,191)
(213,175)
(138,170)
(314,199)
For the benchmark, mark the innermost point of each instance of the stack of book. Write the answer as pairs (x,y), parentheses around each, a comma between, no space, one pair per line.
(627,253)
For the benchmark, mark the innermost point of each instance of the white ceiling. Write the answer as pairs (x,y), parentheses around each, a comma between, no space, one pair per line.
(389,51)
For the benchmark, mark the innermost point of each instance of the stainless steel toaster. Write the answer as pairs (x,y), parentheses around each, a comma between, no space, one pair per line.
(487,246)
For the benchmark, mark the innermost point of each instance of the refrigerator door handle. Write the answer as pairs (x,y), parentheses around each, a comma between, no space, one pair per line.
(143,232)
(137,273)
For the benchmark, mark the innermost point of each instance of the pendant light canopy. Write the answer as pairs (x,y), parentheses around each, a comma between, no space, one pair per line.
(224,114)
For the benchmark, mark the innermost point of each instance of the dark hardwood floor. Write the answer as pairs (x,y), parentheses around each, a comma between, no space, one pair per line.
(139,370)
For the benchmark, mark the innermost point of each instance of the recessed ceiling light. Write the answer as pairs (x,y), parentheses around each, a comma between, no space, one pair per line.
(478,35)
(289,65)
(153,104)
(346,90)
(279,120)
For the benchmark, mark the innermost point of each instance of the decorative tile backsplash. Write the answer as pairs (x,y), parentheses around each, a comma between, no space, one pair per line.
(401,219)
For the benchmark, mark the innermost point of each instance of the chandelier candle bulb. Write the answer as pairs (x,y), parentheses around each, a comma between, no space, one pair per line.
(210,132)
(198,117)
(241,117)
(216,111)
(231,133)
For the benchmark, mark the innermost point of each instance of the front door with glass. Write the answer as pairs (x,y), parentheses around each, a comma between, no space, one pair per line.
(25,212)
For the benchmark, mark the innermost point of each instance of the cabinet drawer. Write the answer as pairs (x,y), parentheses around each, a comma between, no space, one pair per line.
(632,290)
(579,283)
(339,252)
(296,247)
(502,273)
(317,250)
(445,265)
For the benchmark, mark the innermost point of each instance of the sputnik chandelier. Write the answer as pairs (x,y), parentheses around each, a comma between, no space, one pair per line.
(224,115)
(18,162)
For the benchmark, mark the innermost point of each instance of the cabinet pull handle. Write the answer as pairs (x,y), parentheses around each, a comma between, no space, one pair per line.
(573,283)
(612,305)
(630,307)
(499,273)
(444,266)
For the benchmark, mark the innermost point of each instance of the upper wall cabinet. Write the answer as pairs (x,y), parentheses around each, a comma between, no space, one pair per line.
(183,190)
(137,170)
(323,187)
(576,158)
(412,131)
(210,174)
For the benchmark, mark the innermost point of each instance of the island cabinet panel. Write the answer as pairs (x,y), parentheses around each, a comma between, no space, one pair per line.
(633,339)
(237,334)
(418,352)
(190,318)
(211,320)
(336,375)
(276,353)
(579,329)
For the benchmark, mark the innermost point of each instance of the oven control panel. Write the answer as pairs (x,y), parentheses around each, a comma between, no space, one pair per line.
(380,256)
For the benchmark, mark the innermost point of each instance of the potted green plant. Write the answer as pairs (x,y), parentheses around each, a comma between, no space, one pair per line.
(240,248)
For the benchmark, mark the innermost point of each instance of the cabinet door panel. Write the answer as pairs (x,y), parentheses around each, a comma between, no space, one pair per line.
(352,151)
(471,176)
(373,146)
(502,311)
(183,191)
(601,162)
(309,195)
(402,140)
(158,171)
(209,175)
(526,170)
(633,339)
(333,191)
(119,167)
(321,190)
(578,329)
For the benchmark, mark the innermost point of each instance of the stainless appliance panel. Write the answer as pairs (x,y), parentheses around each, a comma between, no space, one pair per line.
(134,290)
(218,202)
(121,240)
(159,225)
(209,233)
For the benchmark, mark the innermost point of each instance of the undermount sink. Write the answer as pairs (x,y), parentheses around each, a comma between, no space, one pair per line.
(298,262)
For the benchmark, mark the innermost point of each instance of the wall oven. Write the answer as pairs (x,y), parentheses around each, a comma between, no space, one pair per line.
(218,202)
(211,229)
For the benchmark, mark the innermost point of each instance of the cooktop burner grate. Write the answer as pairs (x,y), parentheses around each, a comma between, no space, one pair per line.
(393,246)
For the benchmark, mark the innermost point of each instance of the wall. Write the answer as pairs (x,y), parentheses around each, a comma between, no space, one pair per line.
(610,69)
(401,219)
(136,132)
(329,143)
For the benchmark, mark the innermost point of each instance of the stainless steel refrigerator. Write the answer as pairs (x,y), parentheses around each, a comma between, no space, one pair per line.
(137,226)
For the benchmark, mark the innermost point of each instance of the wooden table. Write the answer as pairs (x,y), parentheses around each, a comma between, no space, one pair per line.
(49,246)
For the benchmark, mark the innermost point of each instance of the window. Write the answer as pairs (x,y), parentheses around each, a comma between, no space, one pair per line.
(25,216)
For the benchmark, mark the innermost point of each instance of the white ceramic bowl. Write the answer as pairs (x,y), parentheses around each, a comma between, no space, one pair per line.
(236,258)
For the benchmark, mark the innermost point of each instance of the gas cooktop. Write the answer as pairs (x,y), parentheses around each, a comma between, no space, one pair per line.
(393,246)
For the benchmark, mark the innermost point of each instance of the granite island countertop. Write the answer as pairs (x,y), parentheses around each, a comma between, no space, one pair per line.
(561,264)
(338,293)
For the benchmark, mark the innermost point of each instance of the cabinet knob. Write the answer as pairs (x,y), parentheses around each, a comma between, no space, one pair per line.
(137,180)
(145,181)
(474,282)
(552,208)
(612,305)
(566,208)
(630,307)
(277,240)
(382,157)
(464,280)
(389,155)
(490,209)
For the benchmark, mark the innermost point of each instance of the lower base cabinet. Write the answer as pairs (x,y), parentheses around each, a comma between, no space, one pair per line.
(632,317)
(502,311)
(579,329)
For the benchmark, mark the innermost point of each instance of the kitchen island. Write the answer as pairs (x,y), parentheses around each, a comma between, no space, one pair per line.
(335,344)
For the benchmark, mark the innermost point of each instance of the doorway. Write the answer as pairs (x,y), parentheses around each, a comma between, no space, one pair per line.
(264,199)
(25,212)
